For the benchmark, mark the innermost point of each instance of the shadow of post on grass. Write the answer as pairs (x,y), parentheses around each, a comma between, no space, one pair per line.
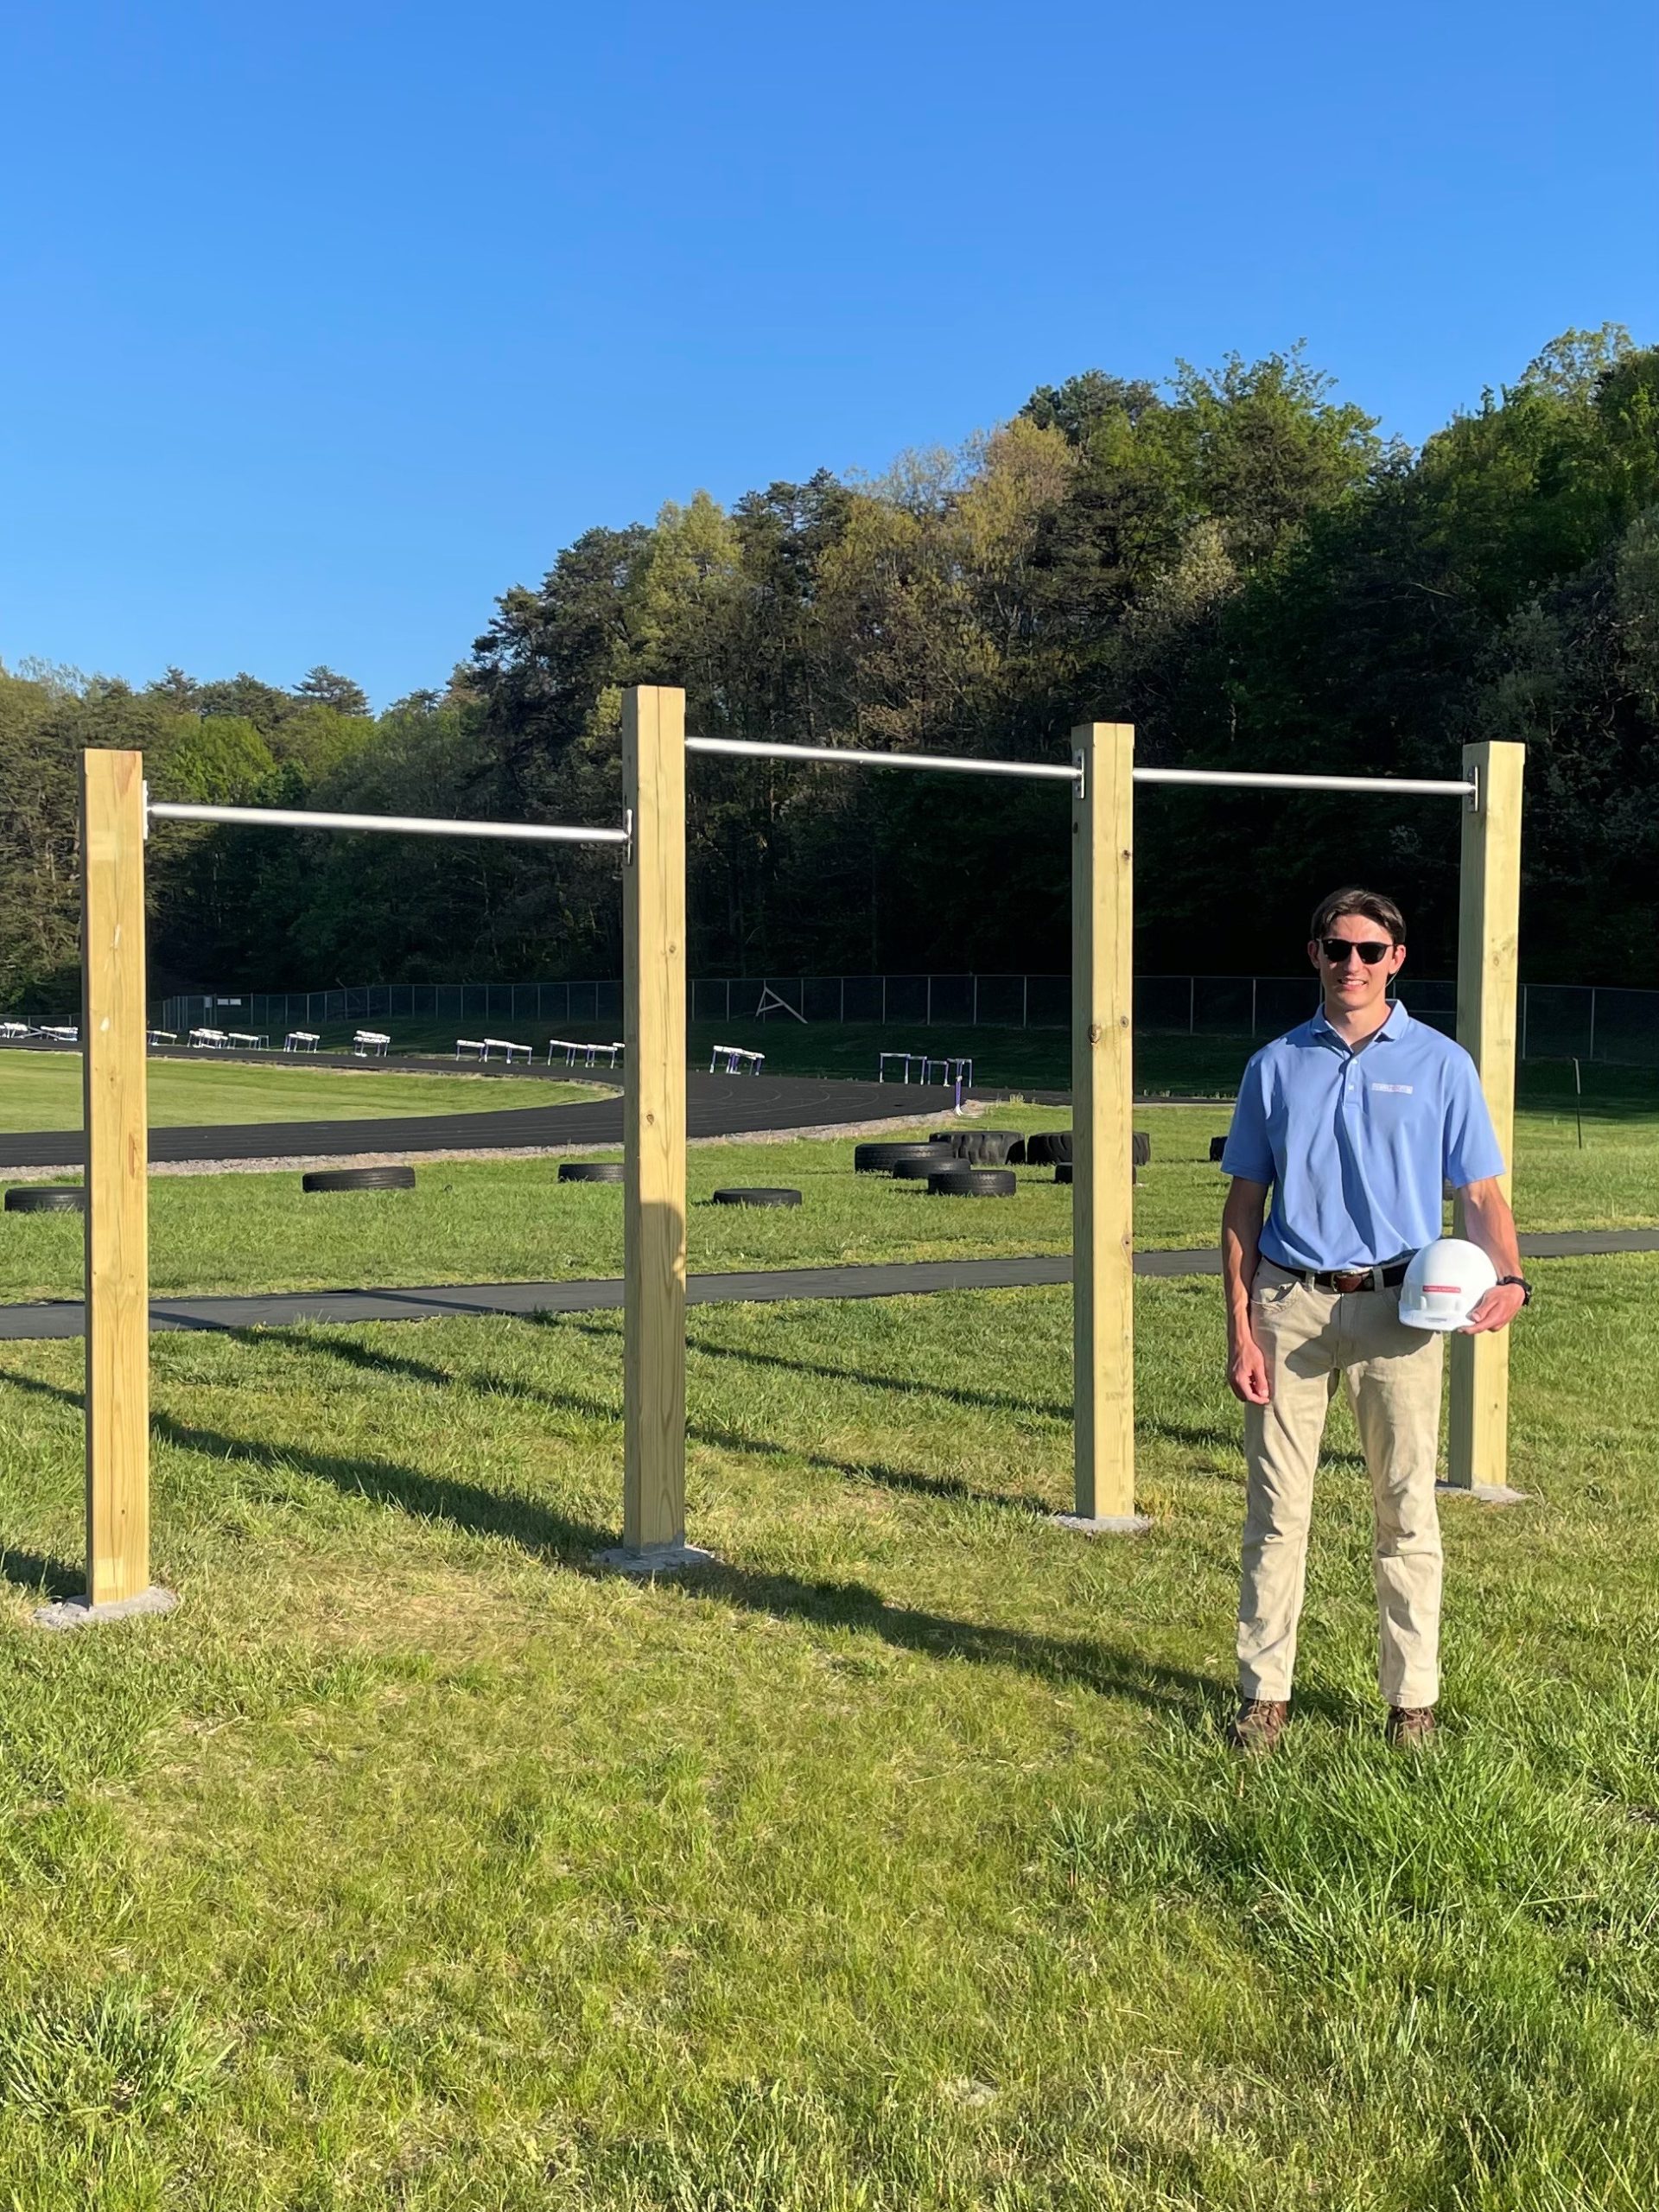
(552,1536)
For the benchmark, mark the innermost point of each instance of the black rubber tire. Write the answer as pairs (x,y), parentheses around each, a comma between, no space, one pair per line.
(45,1198)
(759,1195)
(591,1171)
(918,1171)
(984,1147)
(1048,1147)
(879,1159)
(973,1183)
(1217,1145)
(1140,1148)
(358,1178)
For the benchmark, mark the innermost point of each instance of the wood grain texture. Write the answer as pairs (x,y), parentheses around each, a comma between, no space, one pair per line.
(1488,961)
(654,987)
(1102,911)
(117,1164)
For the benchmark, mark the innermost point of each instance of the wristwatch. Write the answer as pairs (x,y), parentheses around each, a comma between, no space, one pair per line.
(1520,1283)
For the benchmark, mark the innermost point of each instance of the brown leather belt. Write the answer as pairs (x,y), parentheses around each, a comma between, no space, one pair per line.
(1348,1278)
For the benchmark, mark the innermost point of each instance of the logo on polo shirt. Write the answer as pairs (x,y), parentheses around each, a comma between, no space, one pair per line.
(1403,1088)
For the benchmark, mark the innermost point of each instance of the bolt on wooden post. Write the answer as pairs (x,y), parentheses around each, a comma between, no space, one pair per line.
(653,775)
(118,1165)
(1103,1239)
(1488,960)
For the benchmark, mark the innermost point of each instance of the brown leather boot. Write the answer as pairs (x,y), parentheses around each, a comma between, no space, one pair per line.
(1258,1725)
(1409,1726)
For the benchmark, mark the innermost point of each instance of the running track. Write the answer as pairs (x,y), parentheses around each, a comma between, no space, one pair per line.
(716,1106)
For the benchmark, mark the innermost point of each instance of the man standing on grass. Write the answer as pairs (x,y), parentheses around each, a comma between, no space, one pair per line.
(1354,1122)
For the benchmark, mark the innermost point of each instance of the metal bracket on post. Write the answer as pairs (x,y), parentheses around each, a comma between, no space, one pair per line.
(1474,787)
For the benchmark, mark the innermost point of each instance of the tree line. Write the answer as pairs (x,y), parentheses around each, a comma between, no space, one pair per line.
(1235,561)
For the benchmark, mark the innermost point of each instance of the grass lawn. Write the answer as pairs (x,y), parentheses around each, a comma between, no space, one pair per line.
(42,1090)
(895,1865)
(475,1221)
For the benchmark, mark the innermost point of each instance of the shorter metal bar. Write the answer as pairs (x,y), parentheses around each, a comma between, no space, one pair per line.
(408,825)
(846,756)
(1405,786)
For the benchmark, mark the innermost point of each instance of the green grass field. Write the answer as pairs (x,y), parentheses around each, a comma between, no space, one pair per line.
(475,1221)
(1003,1059)
(42,1090)
(895,1864)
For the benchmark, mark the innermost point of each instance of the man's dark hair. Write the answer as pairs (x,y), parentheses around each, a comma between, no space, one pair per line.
(1375,907)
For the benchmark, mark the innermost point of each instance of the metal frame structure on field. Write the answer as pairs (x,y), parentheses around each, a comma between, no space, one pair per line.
(1101,780)
(116,815)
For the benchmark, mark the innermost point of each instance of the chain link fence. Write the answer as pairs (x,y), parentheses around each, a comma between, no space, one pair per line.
(1557,1020)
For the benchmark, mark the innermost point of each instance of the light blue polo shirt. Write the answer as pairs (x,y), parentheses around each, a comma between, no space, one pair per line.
(1358,1144)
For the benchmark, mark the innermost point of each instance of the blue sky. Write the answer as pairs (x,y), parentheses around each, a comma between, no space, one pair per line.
(323,326)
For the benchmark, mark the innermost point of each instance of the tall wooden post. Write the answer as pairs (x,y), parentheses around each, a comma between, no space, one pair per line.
(653,1028)
(1103,1095)
(1488,943)
(117,1164)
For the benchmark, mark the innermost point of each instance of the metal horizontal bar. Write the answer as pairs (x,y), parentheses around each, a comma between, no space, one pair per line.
(408,825)
(846,756)
(751,748)
(1405,786)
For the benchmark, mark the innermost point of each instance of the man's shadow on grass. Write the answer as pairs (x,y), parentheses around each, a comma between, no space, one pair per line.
(555,1536)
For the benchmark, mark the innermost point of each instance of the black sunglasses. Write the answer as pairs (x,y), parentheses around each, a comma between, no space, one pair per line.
(1337,949)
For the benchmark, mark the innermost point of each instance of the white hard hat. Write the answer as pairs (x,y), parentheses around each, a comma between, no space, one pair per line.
(1444,1283)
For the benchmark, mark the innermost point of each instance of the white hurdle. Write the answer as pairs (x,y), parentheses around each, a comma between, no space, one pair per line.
(578,1053)
(736,1059)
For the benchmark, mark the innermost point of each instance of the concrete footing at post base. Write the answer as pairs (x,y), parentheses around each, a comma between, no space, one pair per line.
(80,1612)
(1484,1493)
(1103,1524)
(654,1559)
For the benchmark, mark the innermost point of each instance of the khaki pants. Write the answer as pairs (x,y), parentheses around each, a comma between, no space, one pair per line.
(1307,1337)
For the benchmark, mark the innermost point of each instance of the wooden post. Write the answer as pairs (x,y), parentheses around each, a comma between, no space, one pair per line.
(117,1164)
(1488,940)
(1103,1235)
(653,1028)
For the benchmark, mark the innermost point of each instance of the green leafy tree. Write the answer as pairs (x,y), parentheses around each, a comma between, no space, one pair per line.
(322,687)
